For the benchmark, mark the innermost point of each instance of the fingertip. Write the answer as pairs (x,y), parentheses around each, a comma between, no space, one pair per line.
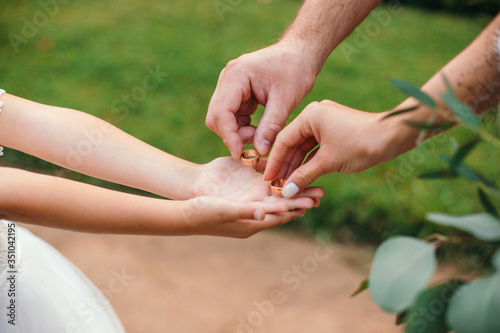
(290,190)
(263,147)
(258,214)
(310,204)
(266,176)
(281,207)
(317,192)
(269,172)
(236,149)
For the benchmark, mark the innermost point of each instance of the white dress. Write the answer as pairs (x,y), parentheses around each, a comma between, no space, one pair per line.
(42,291)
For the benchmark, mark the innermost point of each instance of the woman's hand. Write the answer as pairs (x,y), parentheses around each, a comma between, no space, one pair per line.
(349,141)
(220,217)
(231,180)
(235,201)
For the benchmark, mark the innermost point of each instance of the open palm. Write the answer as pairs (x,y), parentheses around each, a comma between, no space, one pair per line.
(227,178)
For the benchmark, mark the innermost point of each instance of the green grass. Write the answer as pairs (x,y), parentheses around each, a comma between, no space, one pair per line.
(91,53)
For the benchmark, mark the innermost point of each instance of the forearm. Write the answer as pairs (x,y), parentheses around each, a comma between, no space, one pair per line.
(322,25)
(89,145)
(474,76)
(61,203)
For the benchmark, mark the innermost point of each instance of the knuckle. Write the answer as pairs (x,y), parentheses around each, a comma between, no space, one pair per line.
(275,127)
(231,65)
(311,108)
(305,176)
(209,122)
(281,139)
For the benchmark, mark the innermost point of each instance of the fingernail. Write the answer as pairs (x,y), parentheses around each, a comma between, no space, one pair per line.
(265,147)
(258,215)
(290,190)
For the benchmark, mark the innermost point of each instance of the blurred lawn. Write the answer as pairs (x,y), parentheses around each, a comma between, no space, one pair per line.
(90,54)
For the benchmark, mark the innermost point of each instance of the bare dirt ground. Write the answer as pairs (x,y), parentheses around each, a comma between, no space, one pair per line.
(271,282)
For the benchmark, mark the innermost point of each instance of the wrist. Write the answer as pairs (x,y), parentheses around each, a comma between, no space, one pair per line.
(396,137)
(195,172)
(310,57)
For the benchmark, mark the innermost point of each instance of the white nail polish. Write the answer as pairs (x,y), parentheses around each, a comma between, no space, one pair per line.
(290,190)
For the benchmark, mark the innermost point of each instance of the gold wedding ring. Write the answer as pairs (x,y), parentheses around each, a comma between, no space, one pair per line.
(277,186)
(250,157)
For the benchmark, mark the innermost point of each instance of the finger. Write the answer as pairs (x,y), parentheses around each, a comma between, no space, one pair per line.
(285,143)
(273,220)
(276,112)
(227,99)
(248,107)
(306,174)
(261,165)
(311,192)
(243,120)
(246,134)
(292,204)
(282,173)
(232,211)
(273,207)
(299,155)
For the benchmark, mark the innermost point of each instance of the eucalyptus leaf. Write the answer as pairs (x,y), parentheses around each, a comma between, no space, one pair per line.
(486,203)
(476,307)
(436,174)
(460,168)
(398,112)
(462,111)
(428,313)
(426,126)
(496,260)
(483,226)
(463,151)
(447,84)
(362,286)
(467,172)
(400,270)
(491,185)
(412,90)
(454,145)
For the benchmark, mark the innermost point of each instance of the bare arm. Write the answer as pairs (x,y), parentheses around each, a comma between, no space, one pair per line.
(474,75)
(320,26)
(89,145)
(281,75)
(352,140)
(61,203)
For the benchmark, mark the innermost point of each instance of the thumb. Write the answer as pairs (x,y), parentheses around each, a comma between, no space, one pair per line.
(305,175)
(272,122)
(239,211)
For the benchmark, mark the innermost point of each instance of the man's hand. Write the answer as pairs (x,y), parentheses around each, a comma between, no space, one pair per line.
(280,76)
(277,77)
